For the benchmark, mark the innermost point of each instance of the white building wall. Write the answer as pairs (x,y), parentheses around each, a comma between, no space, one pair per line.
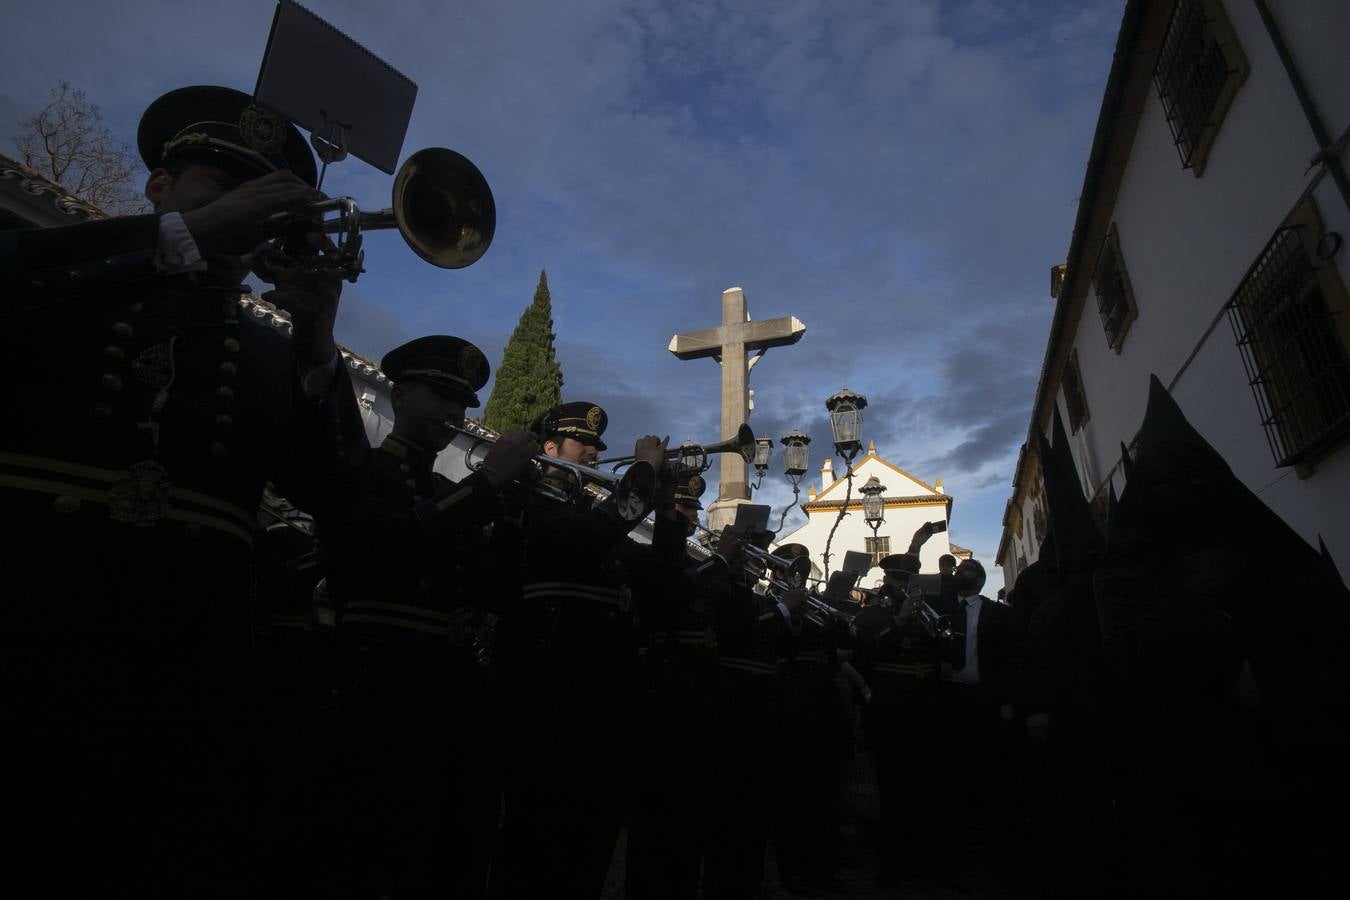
(900,524)
(1186,243)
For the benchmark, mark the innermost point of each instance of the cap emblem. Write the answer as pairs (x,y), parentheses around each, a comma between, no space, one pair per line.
(593,417)
(696,486)
(262,129)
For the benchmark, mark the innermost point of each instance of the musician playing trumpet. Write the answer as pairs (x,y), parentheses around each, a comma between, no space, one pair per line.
(569,661)
(900,654)
(407,559)
(161,410)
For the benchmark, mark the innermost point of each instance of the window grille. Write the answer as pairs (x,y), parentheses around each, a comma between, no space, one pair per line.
(1199,68)
(879,547)
(1115,299)
(1285,315)
(1075,401)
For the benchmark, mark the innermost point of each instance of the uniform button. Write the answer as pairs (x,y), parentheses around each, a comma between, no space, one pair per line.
(412,485)
(224,421)
(136,307)
(232,345)
(101,413)
(66,504)
(123,330)
(405,468)
(229,369)
(111,382)
(219,451)
(114,354)
(74,274)
(225,393)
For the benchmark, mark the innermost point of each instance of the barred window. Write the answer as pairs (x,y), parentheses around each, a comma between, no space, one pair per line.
(1289,318)
(1199,69)
(879,547)
(1075,401)
(1115,299)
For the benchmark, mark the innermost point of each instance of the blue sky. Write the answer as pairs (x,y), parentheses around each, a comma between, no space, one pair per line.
(899,175)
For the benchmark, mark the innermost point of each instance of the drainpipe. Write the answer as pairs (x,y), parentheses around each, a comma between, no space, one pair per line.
(1305,100)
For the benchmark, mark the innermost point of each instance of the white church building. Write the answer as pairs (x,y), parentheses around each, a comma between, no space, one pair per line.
(909,502)
(1208,250)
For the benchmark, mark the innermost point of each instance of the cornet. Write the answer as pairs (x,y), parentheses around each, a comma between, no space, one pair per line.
(695,456)
(633,493)
(442,206)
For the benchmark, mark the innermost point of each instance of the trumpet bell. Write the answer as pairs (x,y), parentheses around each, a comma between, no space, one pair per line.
(444,208)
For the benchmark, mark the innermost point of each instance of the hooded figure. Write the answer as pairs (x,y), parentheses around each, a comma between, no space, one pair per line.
(1227,632)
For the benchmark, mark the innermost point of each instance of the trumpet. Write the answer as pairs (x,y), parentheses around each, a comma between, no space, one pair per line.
(788,574)
(930,620)
(633,492)
(442,206)
(937,626)
(695,456)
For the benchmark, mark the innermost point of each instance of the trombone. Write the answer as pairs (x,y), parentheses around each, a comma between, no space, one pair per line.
(442,206)
(633,492)
(695,456)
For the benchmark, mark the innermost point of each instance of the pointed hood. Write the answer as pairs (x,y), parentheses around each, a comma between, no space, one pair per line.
(1078,541)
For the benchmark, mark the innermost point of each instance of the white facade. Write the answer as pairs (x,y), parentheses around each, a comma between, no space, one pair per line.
(909,501)
(1186,243)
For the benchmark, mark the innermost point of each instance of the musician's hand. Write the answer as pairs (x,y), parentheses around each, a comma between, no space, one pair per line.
(793,599)
(650,448)
(232,224)
(729,546)
(509,459)
(312,301)
(907,611)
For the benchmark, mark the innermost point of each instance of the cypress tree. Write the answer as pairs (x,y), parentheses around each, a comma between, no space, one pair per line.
(529,379)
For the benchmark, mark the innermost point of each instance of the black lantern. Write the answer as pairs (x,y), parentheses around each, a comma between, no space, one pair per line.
(763,456)
(795,455)
(874,508)
(846,421)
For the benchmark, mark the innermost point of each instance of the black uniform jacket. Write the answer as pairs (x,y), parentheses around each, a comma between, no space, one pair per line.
(404,543)
(155,409)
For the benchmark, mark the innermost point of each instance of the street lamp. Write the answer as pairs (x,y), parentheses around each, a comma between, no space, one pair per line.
(763,456)
(846,420)
(874,508)
(795,454)
(795,462)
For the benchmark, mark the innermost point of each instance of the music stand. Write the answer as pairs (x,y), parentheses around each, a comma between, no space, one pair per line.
(346,97)
(751,518)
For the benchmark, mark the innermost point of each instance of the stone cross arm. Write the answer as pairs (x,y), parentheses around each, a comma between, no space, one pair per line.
(758,335)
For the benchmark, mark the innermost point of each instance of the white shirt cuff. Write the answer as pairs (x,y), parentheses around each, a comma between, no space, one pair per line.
(177,251)
(319,379)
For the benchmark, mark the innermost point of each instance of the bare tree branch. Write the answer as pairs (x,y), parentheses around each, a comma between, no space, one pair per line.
(69,144)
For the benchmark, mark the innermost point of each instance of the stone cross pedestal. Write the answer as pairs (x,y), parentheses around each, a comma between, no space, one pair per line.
(729,344)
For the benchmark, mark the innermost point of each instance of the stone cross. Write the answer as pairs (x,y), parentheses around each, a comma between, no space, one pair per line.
(729,344)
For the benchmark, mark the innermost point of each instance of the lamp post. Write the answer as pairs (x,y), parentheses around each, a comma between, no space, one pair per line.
(846,420)
(874,508)
(795,462)
(763,456)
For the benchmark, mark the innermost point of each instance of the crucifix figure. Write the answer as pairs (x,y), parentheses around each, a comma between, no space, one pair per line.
(729,345)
